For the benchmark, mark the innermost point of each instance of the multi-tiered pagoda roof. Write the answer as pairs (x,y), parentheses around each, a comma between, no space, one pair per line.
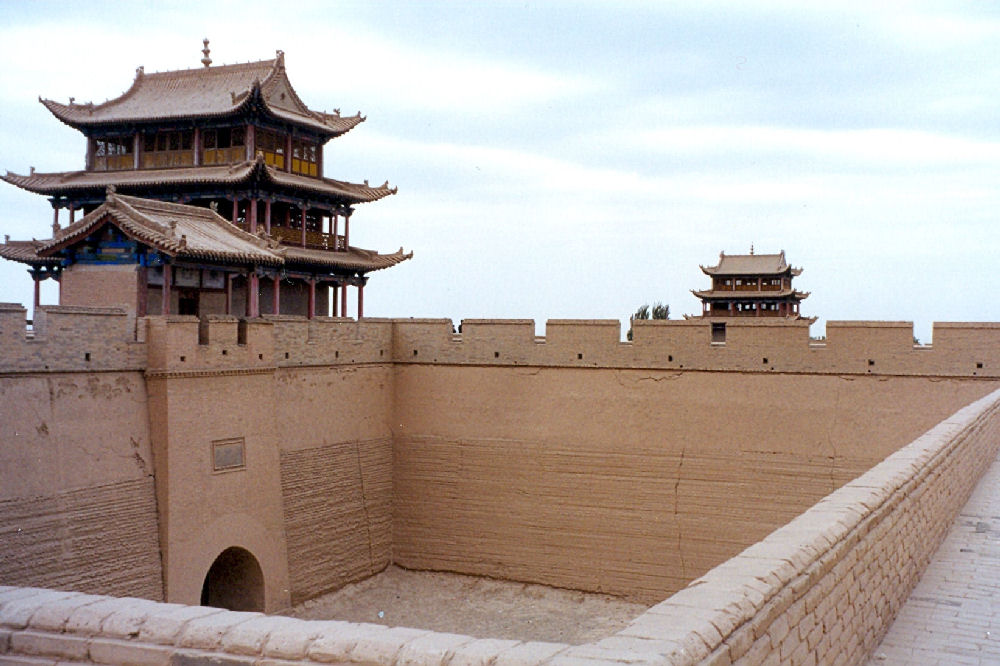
(751,285)
(236,138)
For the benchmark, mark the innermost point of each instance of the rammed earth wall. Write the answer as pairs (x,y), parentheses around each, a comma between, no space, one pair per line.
(821,589)
(572,459)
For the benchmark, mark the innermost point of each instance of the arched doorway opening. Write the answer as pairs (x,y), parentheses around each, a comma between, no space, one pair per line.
(235,581)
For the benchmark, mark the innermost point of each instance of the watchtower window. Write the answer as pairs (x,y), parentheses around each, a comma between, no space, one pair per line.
(168,149)
(272,145)
(719,332)
(226,145)
(111,153)
(305,158)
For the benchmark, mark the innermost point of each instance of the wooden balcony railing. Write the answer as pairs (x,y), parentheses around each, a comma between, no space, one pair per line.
(314,239)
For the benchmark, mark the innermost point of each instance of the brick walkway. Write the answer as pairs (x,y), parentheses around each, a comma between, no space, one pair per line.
(953,615)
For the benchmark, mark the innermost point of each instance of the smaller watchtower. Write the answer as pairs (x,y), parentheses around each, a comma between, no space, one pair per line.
(751,285)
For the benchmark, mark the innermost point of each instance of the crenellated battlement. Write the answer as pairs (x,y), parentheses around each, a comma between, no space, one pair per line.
(68,339)
(76,339)
(851,347)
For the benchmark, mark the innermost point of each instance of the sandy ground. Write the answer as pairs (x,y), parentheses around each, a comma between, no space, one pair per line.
(473,606)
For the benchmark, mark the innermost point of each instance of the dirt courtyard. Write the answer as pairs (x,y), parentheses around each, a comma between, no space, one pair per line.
(474,606)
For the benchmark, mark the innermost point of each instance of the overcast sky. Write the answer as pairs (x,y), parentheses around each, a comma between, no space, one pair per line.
(576,160)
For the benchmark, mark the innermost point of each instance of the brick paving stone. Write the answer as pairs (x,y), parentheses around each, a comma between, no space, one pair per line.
(953,614)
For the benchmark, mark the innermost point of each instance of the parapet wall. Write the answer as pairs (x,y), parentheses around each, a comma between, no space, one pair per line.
(76,339)
(829,583)
(851,347)
(822,589)
(68,339)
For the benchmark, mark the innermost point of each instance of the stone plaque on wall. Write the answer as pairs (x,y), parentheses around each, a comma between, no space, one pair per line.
(227,454)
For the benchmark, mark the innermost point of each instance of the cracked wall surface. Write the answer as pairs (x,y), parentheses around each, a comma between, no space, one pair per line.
(76,484)
(630,482)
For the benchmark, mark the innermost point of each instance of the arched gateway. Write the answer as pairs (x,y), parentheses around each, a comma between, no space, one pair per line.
(235,581)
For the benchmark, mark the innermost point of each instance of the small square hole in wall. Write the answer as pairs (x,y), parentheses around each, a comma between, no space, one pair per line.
(260,357)
(978,365)
(336,353)
(670,358)
(496,354)
(414,352)
(286,354)
(579,357)
(86,357)
(183,358)
(764,360)
(225,352)
(871,362)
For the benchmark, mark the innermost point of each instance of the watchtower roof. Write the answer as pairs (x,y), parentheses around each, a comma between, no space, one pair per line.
(205,92)
(751,264)
(195,233)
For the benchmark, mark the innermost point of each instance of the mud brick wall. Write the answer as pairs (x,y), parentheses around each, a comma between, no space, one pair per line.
(68,339)
(77,505)
(826,587)
(338,514)
(822,589)
(99,539)
(630,482)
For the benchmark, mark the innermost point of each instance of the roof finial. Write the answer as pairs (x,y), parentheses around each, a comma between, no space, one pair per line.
(751,249)
(206,61)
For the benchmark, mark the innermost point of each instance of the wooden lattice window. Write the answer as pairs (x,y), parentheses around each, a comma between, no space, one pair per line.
(111,153)
(225,145)
(272,145)
(305,158)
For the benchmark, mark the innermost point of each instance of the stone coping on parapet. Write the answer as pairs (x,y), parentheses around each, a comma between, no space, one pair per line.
(985,325)
(82,310)
(868,323)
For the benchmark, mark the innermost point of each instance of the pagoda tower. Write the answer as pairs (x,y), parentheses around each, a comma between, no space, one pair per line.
(235,139)
(751,285)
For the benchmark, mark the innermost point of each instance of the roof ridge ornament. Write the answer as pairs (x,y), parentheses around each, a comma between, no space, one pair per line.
(206,60)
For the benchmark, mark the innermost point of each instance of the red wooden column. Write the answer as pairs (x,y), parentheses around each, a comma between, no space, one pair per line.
(165,294)
(236,209)
(38,288)
(137,151)
(253,215)
(229,293)
(335,220)
(72,213)
(55,220)
(361,299)
(333,298)
(267,217)
(343,300)
(251,140)
(303,227)
(253,295)
(312,298)
(347,230)
(276,295)
(197,146)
